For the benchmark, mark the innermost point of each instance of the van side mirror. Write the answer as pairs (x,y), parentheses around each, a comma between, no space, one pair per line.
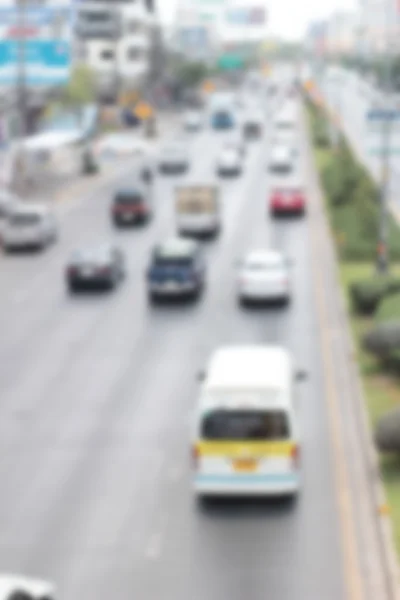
(201,375)
(301,375)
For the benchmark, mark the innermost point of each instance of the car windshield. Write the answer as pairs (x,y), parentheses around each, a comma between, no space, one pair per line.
(270,425)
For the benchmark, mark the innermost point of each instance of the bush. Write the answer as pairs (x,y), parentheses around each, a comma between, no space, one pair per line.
(387,432)
(352,202)
(368,294)
(383,341)
(389,307)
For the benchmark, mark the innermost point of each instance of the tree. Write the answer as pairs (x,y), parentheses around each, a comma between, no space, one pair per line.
(191,74)
(81,88)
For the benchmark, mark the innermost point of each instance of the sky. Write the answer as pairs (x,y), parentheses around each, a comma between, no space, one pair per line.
(287,18)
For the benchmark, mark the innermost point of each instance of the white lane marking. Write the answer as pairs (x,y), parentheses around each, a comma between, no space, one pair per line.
(154,546)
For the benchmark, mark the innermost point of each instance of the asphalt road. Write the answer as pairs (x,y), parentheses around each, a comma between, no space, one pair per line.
(96,402)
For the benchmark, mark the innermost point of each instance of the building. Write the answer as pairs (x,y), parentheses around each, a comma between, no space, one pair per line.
(197,31)
(114,38)
(381,26)
(342,34)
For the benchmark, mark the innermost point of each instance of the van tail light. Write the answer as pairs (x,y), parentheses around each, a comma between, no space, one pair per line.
(72,271)
(104,270)
(195,457)
(295,456)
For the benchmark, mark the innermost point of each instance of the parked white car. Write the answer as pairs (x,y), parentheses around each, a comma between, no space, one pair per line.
(264,275)
(28,226)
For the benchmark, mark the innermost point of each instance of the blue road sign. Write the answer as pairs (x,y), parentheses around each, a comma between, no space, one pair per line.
(382,114)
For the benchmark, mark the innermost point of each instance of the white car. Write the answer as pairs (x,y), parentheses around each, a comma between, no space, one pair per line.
(192,121)
(28,225)
(264,275)
(281,160)
(174,158)
(229,162)
(27,587)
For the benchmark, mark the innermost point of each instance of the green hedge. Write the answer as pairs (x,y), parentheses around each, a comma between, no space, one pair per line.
(367,295)
(352,202)
(389,309)
(319,127)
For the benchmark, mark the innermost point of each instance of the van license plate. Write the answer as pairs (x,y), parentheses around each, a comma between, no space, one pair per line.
(244,465)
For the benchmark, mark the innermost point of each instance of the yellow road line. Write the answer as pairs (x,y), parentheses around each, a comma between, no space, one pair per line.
(351,565)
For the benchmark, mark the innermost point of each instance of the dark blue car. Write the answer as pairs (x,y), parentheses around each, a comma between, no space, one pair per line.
(177,269)
(222,119)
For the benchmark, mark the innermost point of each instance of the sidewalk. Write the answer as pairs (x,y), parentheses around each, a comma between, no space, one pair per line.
(56,188)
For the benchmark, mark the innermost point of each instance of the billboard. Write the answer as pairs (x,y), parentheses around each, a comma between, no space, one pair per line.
(193,38)
(246,16)
(41,36)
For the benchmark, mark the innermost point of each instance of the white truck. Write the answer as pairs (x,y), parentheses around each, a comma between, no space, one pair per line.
(198,210)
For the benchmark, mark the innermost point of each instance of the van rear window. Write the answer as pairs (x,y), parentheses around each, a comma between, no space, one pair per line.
(25,219)
(246,425)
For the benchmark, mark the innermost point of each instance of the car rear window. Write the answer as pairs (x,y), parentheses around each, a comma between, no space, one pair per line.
(263,265)
(128,198)
(272,425)
(25,219)
(177,261)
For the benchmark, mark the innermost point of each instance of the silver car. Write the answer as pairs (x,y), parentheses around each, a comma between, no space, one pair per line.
(28,226)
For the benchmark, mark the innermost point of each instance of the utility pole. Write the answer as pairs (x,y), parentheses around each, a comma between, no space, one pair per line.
(21,88)
(382,248)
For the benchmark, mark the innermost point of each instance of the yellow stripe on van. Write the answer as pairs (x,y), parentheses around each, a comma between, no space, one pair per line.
(234,448)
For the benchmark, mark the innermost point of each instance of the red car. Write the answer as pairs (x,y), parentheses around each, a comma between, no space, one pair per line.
(287,201)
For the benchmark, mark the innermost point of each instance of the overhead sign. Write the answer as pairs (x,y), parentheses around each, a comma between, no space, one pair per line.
(382,114)
(230,61)
(42,38)
(193,37)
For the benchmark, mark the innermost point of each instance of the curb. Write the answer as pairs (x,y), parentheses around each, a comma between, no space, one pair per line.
(377,498)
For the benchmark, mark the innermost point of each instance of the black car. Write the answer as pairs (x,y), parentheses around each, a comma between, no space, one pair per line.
(177,269)
(98,267)
(131,206)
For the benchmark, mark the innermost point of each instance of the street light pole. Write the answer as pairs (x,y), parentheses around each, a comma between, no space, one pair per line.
(382,249)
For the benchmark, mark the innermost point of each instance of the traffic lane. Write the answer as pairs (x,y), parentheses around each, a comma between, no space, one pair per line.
(251,549)
(39,279)
(116,371)
(256,549)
